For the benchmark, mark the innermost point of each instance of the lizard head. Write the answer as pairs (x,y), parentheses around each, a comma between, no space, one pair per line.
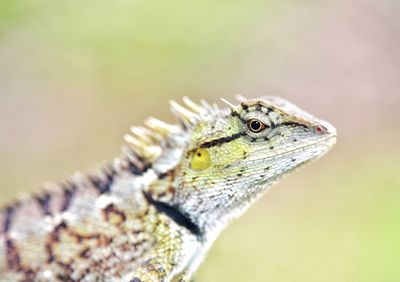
(222,160)
(230,159)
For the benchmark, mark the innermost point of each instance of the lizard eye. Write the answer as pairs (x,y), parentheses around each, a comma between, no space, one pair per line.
(255,125)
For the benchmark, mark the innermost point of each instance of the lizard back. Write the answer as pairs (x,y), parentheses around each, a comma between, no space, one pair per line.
(153,213)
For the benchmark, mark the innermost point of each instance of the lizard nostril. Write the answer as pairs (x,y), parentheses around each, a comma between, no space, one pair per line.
(319,129)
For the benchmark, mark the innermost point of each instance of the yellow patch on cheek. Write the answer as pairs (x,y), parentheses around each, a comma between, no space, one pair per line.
(200,159)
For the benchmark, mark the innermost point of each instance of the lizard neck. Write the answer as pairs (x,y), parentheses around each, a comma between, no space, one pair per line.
(162,193)
(174,213)
(212,215)
(205,211)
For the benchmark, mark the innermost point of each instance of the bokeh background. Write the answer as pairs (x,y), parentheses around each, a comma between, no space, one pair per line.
(74,76)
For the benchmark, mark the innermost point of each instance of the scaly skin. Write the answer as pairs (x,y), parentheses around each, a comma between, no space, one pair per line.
(153,213)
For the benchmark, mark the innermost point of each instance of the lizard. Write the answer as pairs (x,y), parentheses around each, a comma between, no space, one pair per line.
(153,213)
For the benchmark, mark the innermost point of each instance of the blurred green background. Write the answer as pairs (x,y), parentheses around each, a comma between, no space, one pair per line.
(74,77)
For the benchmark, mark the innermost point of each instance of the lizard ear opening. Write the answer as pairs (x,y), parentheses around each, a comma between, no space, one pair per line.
(200,159)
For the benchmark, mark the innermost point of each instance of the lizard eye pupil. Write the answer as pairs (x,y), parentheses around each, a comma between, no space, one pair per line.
(256,125)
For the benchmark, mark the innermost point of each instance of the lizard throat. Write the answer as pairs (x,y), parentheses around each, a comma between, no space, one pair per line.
(174,213)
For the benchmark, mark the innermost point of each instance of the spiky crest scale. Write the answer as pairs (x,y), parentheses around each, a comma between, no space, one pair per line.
(144,145)
(148,143)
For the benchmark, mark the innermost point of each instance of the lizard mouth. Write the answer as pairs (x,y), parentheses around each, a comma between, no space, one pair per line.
(328,142)
(323,147)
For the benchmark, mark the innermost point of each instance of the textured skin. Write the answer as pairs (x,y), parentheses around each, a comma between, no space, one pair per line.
(153,213)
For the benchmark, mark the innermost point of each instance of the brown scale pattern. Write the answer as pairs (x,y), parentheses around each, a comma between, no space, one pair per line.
(57,201)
